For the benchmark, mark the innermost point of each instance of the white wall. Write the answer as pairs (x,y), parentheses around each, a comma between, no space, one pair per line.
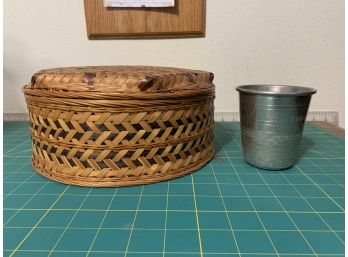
(298,42)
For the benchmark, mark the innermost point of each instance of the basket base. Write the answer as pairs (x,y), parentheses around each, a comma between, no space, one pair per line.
(122,182)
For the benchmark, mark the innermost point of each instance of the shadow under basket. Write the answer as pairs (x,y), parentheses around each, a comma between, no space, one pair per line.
(111,126)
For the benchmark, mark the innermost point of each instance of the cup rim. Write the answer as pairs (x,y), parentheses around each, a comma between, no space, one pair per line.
(271,89)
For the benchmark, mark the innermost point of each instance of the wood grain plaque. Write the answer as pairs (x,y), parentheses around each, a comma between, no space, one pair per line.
(186,19)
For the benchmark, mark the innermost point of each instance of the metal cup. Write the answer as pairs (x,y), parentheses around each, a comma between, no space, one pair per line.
(272,120)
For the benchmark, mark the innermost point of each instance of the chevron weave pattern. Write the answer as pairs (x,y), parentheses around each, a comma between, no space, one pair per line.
(118,125)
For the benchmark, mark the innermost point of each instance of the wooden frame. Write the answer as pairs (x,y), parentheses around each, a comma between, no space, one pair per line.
(186,19)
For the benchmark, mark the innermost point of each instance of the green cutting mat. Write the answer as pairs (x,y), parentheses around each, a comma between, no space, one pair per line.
(228,208)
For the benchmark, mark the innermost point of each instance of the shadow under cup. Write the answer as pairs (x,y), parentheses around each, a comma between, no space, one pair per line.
(272,121)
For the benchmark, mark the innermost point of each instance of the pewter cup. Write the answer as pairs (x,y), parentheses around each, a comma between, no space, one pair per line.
(272,120)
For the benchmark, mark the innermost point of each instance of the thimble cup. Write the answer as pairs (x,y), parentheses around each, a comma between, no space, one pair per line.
(272,121)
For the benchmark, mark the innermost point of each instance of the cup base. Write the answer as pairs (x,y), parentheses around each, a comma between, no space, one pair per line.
(268,167)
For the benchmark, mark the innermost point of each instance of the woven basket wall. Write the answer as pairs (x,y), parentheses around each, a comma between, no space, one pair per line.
(119,125)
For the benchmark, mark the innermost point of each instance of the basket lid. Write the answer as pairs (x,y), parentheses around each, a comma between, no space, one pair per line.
(119,79)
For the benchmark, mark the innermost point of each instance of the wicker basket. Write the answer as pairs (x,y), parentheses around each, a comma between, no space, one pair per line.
(120,125)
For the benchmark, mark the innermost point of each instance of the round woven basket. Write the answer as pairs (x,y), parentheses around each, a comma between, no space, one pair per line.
(120,125)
